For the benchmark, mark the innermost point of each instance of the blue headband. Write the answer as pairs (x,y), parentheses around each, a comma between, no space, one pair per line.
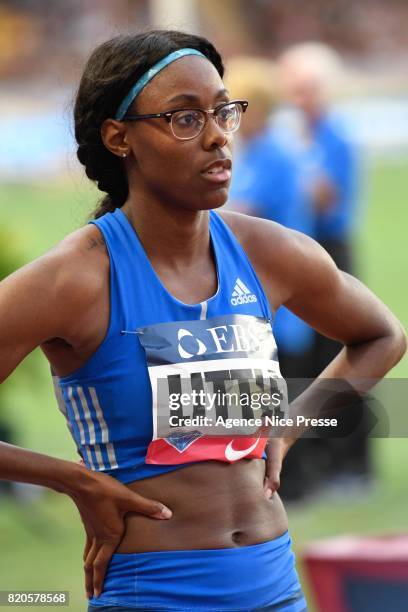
(149,75)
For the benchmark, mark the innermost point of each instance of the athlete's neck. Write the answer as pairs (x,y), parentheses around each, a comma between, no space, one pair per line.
(169,233)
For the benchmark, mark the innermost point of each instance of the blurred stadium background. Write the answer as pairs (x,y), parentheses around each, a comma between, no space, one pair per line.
(44,195)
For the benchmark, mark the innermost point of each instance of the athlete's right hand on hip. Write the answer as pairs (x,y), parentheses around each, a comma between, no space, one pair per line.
(102,502)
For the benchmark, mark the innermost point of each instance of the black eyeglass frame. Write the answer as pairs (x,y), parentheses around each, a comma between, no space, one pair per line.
(168,115)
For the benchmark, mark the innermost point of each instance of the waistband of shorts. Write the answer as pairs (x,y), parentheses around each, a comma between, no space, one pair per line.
(228,579)
(282,540)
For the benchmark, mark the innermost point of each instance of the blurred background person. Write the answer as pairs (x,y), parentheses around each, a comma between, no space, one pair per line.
(309,74)
(267,183)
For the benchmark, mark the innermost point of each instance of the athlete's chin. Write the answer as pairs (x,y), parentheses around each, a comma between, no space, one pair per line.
(198,198)
(214,199)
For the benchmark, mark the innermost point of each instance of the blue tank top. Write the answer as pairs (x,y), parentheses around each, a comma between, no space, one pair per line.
(157,348)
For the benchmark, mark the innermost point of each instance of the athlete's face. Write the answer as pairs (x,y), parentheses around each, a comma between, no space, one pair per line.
(162,165)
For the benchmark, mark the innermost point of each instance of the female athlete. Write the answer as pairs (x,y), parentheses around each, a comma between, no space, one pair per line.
(160,296)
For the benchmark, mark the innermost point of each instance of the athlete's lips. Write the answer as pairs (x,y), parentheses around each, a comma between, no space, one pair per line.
(218,171)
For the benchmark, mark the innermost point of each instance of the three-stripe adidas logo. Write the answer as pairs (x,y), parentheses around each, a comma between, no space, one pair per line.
(241,294)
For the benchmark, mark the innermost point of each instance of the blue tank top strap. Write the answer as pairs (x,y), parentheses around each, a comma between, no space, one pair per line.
(138,287)
(234,258)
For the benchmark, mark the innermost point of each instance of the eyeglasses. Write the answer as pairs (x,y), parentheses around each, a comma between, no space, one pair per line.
(188,123)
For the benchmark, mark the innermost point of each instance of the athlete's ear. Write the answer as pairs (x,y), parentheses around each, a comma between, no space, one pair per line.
(114,137)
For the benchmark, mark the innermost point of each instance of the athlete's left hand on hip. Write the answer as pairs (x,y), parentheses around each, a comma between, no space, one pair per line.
(276,450)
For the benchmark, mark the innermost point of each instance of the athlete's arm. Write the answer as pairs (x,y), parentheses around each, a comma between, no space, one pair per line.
(52,298)
(341,307)
(40,301)
(298,273)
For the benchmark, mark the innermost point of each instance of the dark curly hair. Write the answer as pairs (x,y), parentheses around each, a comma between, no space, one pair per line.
(111,70)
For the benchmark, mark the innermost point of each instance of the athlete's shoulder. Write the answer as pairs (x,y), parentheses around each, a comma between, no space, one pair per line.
(50,297)
(69,277)
(80,241)
(258,236)
(282,257)
(80,257)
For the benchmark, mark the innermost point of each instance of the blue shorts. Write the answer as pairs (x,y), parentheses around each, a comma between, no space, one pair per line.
(247,579)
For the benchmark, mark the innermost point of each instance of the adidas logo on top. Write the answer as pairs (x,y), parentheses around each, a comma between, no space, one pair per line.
(241,294)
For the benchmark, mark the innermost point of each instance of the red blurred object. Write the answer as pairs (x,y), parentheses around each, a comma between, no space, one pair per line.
(359,574)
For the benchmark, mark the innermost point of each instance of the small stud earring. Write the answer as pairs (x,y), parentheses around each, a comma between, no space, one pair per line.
(124,154)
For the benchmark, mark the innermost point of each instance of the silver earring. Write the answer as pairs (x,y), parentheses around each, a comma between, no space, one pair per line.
(124,154)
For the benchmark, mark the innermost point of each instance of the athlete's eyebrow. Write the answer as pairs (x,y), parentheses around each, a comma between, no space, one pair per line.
(189,97)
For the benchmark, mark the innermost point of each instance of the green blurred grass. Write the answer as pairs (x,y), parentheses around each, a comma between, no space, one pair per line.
(41,543)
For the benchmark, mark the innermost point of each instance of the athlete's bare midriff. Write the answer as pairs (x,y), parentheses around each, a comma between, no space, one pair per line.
(214,505)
